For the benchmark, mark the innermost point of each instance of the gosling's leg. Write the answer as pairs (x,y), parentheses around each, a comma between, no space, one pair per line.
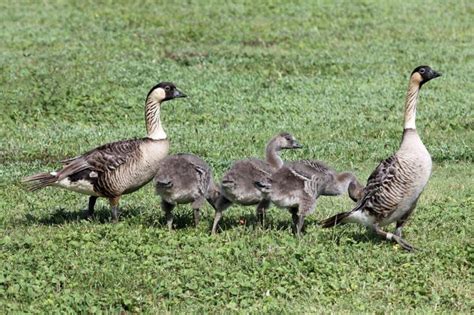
(306,207)
(262,211)
(114,202)
(168,210)
(295,218)
(90,208)
(392,237)
(222,203)
(196,205)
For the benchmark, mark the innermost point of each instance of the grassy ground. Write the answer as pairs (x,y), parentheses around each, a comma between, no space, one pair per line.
(74,75)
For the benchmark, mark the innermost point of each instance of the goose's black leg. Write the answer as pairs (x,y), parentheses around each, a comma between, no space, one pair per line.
(168,210)
(114,202)
(90,208)
(403,220)
(392,237)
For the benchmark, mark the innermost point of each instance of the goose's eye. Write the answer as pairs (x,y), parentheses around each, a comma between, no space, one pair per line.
(167,88)
(422,70)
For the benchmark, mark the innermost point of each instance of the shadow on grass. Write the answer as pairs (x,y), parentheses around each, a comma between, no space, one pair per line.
(344,237)
(250,222)
(62,216)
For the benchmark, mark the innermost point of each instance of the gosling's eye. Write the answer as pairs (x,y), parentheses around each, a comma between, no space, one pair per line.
(422,70)
(167,88)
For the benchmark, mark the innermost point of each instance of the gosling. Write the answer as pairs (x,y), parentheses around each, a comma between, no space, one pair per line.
(297,185)
(238,183)
(183,179)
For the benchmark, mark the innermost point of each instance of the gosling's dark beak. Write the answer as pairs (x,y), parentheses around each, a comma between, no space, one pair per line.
(296,145)
(177,93)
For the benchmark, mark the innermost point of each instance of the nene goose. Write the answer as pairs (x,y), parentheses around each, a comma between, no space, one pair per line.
(297,185)
(182,179)
(394,187)
(116,168)
(238,183)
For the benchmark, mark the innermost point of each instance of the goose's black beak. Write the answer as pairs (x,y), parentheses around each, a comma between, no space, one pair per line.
(177,93)
(435,74)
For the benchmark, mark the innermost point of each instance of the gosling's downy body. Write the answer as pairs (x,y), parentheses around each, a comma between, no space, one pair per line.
(394,187)
(183,179)
(116,168)
(238,182)
(297,185)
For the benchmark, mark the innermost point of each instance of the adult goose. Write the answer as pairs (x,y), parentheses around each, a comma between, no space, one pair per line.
(394,187)
(238,182)
(297,185)
(116,168)
(184,178)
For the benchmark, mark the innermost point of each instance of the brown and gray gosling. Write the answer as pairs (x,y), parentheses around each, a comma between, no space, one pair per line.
(395,186)
(297,185)
(182,179)
(238,182)
(116,168)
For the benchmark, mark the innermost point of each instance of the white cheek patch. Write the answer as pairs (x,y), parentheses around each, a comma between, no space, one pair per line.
(159,94)
(389,236)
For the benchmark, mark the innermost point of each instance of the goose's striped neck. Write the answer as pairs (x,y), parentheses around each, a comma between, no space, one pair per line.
(154,128)
(410,102)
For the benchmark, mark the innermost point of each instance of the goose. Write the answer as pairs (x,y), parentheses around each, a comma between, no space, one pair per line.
(238,182)
(297,185)
(181,179)
(394,187)
(116,168)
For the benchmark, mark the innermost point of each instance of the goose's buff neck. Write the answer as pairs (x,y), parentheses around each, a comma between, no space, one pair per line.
(154,128)
(412,100)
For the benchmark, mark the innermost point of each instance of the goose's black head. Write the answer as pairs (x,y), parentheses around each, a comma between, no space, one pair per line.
(165,91)
(423,74)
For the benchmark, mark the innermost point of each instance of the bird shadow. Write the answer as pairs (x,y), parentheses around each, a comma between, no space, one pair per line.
(247,220)
(62,216)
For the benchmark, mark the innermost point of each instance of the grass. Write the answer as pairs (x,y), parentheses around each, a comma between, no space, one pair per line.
(74,75)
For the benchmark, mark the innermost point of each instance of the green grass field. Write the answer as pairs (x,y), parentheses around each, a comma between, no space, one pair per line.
(74,75)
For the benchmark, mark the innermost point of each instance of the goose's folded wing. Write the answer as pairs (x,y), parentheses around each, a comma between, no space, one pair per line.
(379,197)
(105,158)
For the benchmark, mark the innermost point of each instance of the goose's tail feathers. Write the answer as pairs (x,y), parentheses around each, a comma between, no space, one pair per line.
(334,220)
(39,181)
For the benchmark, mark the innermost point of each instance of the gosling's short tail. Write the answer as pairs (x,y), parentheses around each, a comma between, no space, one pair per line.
(334,220)
(39,181)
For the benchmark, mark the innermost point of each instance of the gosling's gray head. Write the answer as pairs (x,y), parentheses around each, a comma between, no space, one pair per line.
(286,141)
